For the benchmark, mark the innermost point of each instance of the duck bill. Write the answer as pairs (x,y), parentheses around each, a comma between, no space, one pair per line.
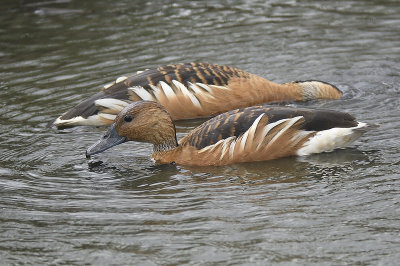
(110,139)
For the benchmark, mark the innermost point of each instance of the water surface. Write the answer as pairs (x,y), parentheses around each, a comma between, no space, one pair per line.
(58,208)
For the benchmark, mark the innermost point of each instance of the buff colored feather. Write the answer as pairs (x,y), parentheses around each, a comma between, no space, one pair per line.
(257,133)
(191,90)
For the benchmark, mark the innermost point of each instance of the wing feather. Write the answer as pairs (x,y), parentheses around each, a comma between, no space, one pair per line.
(188,90)
(282,139)
(195,79)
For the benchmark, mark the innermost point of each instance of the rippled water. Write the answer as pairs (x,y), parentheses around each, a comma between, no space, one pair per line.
(58,208)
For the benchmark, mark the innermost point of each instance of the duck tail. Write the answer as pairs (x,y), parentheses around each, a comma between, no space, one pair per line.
(314,89)
(334,138)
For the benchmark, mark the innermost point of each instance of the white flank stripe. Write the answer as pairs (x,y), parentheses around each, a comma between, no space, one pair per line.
(120,79)
(80,121)
(290,123)
(108,85)
(206,149)
(194,87)
(250,132)
(219,87)
(194,100)
(243,140)
(154,88)
(106,116)
(168,91)
(253,128)
(110,103)
(156,91)
(224,148)
(232,148)
(267,129)
(212,147)
(185,92)
(180,86)
(73,121)
(204,86)
(299,136)
(142,93)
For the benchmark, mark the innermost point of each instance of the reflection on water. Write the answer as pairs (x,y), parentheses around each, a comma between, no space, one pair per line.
(59,208)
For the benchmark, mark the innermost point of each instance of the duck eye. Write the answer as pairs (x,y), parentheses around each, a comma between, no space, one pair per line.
(128,118)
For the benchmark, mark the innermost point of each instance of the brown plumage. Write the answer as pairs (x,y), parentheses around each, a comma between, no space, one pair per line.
(255,133)
(191,90)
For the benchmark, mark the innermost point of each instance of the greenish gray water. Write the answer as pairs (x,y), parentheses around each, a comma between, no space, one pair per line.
(58,208)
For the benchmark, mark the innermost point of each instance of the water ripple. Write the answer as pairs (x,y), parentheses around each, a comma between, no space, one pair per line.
(59,208)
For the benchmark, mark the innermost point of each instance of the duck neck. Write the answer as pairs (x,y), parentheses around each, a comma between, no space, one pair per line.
(165,146)
(165,152)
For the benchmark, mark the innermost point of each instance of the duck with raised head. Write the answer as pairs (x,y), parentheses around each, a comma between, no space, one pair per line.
(191,90)
(256,133)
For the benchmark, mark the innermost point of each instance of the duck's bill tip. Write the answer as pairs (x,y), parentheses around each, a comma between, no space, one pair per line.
(110,139)
(102,145)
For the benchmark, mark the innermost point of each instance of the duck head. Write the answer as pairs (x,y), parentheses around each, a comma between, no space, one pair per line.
(142,121)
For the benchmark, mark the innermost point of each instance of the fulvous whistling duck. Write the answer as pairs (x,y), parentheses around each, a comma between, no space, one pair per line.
(191,90)
(256,133)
